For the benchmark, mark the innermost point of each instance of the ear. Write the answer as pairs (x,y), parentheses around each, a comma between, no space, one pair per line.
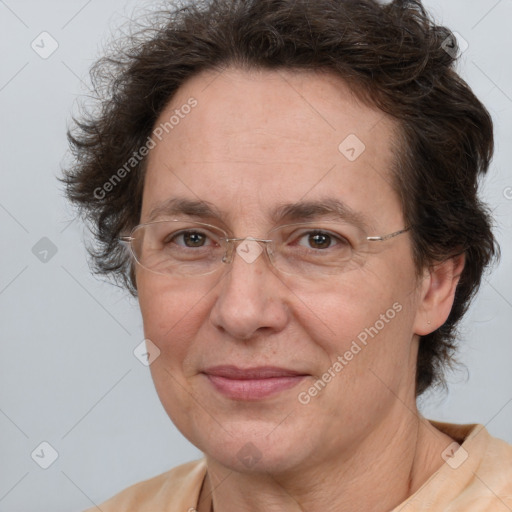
(437,294)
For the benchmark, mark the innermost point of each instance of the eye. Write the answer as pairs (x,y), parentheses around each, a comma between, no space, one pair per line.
(190,239)
(318,239)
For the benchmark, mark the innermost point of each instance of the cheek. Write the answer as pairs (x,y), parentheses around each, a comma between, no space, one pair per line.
(366,317)
(344,309)
(171,314)
(364,332)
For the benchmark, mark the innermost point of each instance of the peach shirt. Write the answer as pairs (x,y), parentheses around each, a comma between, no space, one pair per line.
(475,478)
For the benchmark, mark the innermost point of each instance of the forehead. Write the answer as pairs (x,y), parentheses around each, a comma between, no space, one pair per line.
(254,138)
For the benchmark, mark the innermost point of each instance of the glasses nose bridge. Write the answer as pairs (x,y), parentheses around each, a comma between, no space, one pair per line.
(233,243)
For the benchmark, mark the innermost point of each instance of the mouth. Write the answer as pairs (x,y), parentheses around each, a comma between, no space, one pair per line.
(254,383)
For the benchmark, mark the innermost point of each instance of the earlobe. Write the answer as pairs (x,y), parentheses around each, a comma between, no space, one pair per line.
(438,293)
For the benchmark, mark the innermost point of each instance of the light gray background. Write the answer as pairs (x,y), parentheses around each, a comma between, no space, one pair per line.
(68,375)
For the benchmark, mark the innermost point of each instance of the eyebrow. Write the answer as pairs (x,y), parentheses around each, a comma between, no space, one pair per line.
(302,211)
(182,206)
(330,207)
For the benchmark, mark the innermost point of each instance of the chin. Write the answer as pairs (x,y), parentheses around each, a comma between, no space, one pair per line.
(253,448)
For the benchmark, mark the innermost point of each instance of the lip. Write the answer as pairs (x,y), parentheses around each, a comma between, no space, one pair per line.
(255,383)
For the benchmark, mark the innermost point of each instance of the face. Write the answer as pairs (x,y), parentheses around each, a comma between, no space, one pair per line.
(288,369)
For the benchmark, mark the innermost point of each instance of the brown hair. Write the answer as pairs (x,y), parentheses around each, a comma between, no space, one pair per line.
(393,55)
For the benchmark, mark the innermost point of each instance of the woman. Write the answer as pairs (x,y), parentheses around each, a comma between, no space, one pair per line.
(289,188)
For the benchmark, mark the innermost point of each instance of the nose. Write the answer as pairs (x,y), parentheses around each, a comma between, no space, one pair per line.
(251,297)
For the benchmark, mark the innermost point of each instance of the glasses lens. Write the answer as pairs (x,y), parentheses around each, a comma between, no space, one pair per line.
(311,251)
(178,247)
(317,250)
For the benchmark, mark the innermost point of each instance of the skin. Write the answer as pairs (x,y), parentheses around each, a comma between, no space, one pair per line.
(256,139)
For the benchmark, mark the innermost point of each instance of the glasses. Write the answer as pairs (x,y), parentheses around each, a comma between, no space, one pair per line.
(183,248)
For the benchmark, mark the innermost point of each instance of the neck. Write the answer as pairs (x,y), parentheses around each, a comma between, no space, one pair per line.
(376,476)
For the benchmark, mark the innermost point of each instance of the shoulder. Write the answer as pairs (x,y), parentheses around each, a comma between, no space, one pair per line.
(495,468)
(476,474)
(488,453)
(485,459)
(176,489)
